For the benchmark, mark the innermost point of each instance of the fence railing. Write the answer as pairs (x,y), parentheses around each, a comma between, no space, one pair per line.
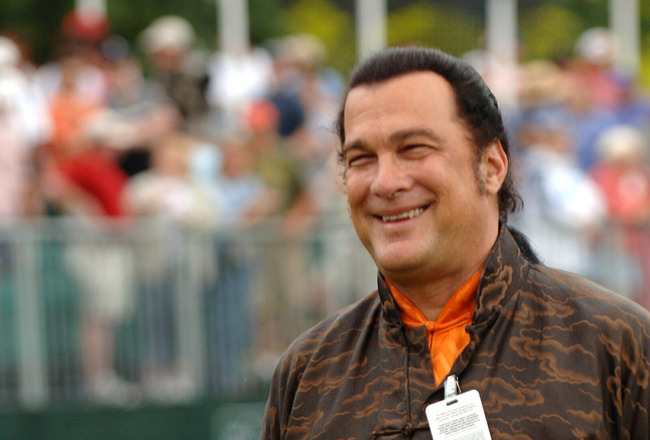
(121,313)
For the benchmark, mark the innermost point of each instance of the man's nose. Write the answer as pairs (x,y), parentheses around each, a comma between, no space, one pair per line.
(391,178)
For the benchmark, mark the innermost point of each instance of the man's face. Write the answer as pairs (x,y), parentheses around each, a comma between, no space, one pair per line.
(419,201)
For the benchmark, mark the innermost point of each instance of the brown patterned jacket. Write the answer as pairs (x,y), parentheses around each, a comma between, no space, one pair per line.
(552,355)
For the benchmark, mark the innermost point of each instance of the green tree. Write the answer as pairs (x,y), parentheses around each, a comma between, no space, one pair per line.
(549,32)
(644,12)
(426,24)
(265,19)
(130,17)
(324,20)
(34,22)
(591,12)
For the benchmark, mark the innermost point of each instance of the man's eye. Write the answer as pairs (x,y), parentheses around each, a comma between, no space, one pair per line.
(359,160)
(415,150)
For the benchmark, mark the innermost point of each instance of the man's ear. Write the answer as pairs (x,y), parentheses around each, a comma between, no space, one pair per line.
(494,167)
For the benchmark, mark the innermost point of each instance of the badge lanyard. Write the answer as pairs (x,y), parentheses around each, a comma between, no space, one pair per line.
(460,416)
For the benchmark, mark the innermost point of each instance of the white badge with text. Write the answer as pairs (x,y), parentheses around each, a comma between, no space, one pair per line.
(460,417)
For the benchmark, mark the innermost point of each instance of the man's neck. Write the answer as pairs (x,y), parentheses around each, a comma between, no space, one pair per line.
(429,287)
(430,297)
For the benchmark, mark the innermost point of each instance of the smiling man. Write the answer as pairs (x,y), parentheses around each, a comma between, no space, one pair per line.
(462,301)
(421,201)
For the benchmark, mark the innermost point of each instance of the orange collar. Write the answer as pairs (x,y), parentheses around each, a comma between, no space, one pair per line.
(446,336)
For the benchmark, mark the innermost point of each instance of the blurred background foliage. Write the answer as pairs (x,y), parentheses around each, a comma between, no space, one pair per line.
(331,24)
(433,25)
(548,28)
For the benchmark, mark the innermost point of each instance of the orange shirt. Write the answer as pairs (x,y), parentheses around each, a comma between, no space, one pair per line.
(446,336)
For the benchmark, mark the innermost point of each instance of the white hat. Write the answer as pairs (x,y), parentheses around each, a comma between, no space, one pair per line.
(169,31)
(9,52)
(621,142)
(597,45)
(304,49)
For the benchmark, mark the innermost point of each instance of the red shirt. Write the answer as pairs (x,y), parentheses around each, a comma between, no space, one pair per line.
(99,176)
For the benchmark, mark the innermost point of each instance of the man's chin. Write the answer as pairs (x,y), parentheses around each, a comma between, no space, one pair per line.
(396,265)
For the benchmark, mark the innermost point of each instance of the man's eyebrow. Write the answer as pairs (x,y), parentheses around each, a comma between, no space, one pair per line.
(401,135)
(355,144)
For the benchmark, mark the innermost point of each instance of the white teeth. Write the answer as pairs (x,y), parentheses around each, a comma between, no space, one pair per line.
(410,214)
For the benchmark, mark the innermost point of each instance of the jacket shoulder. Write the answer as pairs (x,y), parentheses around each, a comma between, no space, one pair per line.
(585,296)
(318,360)
(337,330)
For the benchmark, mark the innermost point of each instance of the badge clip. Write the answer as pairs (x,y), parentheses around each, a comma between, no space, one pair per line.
(452,388)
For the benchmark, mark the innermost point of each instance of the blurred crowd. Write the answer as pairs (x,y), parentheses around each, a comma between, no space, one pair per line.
(579,130)
(161,127)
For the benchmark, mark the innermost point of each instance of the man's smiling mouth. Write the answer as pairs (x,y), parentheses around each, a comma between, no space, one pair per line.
(409,214)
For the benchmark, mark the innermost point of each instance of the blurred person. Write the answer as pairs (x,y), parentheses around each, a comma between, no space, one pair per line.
(291,55)
(88,186)
(287,194)
(287,207)
(308,93)
(130,117)
(468,335)
(502,77)
(23,126)
(79,34)
(593,65)
(70,110)
(623,175)
(31,100)
(564,207)
(594,93)
(138,110)
(179,211)
(542,85)
(305,91)
(586,121)
(84,26)
(238,187)
(168,190)
(229,307)
(179,66)
(236,80)
(632,106)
